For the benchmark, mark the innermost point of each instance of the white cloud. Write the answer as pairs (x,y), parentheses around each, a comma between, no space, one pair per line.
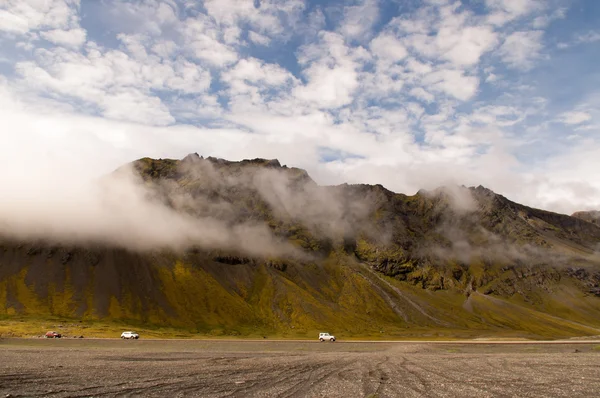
(254,71)
(388,48)
(14,23)
(133,105)
(497,115)
(589,37)
(504,11)
(420,93)
(329,87)
(117,83)
(148,17)
(491,77)
(514,7)
(22,16)
(70,38)
(253,84)
(272,18)
(201,39)
(452,82)
(164,48)
(467,45)
(331,73)
(359,19)
(418,67)
(575,117)
(209,50)
(543,21)
(448,33)
(257,38)
(521,49)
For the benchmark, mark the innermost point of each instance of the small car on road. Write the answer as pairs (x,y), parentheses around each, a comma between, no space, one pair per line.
(52,335)
(326,336)
(130,335)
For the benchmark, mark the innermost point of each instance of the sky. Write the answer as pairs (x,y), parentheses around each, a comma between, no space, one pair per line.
(404,93)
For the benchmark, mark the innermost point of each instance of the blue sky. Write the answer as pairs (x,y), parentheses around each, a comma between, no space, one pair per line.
(409,94)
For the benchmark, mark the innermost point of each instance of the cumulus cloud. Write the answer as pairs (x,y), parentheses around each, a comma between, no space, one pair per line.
(70,38)
(453,82)
(467,46)
(575,117)
(359,18)
(20,17)
(504,11)
(257,38)
(271,18)
(521,49)
(331,73)
(420,93)
(388,48)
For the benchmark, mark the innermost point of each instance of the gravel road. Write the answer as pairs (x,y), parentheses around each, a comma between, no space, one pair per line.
(93,368)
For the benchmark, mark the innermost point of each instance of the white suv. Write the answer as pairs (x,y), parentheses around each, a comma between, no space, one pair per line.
(326,336)
(130,335)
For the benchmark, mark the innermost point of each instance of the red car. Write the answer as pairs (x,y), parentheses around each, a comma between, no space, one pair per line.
(53,335)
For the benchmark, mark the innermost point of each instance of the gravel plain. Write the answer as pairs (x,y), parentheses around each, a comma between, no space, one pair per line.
(199,368)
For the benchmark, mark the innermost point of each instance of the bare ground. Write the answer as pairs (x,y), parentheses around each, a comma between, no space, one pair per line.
(86,368)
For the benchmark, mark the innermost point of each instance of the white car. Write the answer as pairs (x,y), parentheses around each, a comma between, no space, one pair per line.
(326,336)
(130,335)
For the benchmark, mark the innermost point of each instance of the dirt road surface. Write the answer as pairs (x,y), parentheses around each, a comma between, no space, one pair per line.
(151,368)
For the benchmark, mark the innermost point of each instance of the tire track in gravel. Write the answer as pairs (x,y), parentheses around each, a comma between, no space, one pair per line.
(422,384)
(424,373)
(303,388)
(382,376)
(144,388)
(270,377)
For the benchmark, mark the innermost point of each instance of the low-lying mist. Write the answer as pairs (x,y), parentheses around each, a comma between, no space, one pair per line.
(120,210)
(206,208)
(254,208)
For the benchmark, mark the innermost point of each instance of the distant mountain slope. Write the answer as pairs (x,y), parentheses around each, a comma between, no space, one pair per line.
(592,216)
(253,247)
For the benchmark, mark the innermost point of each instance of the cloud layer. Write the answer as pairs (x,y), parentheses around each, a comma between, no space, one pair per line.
(407,94)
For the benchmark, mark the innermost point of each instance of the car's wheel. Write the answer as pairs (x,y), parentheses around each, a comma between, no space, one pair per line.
(321,340)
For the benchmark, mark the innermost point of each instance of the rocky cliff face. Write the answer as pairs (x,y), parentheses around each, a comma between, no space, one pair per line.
(254,246)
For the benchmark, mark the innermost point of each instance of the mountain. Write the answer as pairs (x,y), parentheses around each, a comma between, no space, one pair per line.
(255,248)
(592,216)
